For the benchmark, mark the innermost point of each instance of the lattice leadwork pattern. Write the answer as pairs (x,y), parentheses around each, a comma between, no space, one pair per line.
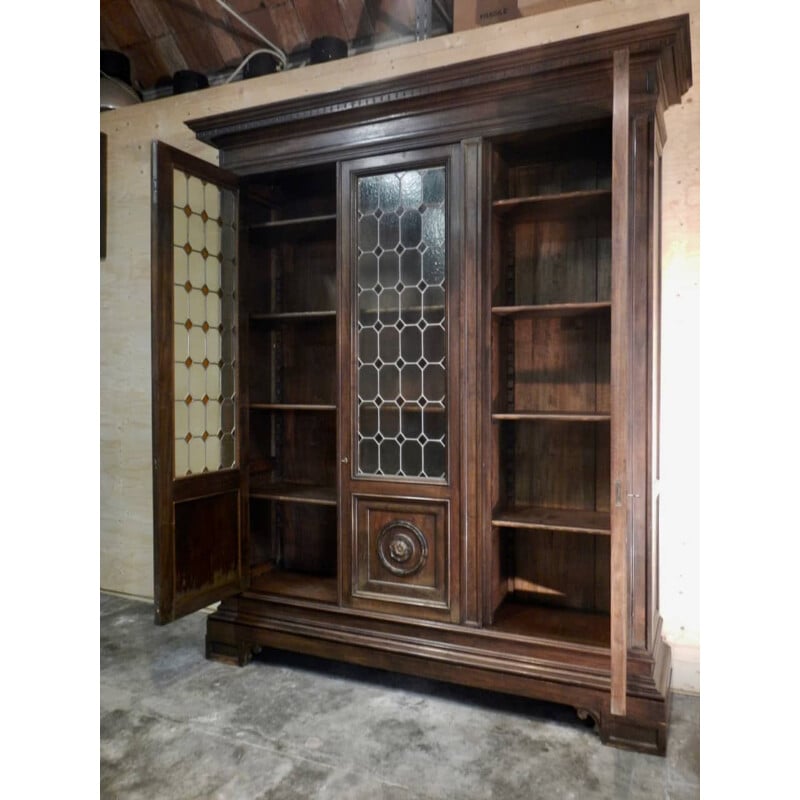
(402,335)
(204,320)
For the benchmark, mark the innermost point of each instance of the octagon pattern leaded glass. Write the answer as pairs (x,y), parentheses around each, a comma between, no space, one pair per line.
(204,325)
(401,348)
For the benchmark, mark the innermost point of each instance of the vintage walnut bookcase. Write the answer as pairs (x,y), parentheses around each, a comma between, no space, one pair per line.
(405,375)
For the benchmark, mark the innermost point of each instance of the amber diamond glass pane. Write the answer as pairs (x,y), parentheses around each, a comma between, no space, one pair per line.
(204,307)
(401,346)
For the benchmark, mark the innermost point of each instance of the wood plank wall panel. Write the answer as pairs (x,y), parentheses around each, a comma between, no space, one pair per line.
(126,495)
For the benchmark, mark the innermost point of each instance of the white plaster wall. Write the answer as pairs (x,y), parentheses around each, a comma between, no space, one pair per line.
(126,562)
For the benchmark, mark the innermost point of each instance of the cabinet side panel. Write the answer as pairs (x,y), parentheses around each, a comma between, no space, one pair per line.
(640,267)
(653,505)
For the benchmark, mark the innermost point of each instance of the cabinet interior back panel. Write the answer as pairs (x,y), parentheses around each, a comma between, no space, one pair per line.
(562,363)
(295,447)
(293,536)
(561,260)
(545,452)
(303,274)
(566,571)
(293,363)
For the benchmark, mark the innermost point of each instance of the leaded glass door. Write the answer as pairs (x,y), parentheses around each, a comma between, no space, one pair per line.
(401,256)
(198,510)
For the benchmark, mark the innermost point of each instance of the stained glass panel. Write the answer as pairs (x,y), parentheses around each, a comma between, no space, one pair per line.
(402,327)
(204,342)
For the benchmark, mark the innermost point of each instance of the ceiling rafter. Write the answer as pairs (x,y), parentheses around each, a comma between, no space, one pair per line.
(161,37)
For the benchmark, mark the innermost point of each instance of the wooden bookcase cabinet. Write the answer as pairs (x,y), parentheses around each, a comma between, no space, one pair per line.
(435,310)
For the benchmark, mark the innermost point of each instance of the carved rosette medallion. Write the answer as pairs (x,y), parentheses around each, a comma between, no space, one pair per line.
(402,547)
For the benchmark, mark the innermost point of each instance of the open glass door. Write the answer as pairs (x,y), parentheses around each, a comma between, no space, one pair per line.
(197,494)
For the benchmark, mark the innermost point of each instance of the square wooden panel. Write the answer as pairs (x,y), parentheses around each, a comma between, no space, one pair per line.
(401,554)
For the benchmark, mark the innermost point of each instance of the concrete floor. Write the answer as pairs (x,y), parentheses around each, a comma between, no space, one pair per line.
(174,725)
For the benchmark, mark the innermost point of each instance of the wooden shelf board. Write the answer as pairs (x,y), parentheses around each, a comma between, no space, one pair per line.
(278,224)
(555,416)
(270,580)
(290,407)
(561,624)
(403,310)
(561,203)
(412,408)
(293,493)
(551,310)
(554,519)
(293,316)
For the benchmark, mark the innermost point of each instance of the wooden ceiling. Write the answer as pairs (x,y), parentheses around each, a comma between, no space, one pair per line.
(161,37)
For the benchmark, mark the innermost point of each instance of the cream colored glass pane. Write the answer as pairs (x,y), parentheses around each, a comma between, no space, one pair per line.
(197,379)
(228,276)
(200,418)
(181,382)
(197,456)
(213,270)
(228,448)
(228,243)
(178,188)
(213,242)
(212,201)
(213,311)
(181,418)
(197,307)
(196,194)
(228,388)
(180,303)
(196,232)
(181,342)
(197,344)
(212,340)
(181,457)
(213,418)
(213,453)
(197,270)
(228,206)
(213,385)
(197,418)
(180,227)
(228,413)
(180,263)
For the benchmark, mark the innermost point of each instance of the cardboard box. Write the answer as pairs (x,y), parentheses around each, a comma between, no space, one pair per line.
(469,14)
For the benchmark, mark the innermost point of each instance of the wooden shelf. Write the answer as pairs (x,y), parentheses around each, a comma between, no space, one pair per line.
(299,585)
(293,316)
(552,416)
(589,201)
(403,310)
(551,310)
(562,624)
(290,407)
(554,519)
(293,492)
(413,408)
(289,224)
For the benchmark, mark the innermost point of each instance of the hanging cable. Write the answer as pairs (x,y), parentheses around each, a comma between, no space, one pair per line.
(245,60)
(270,48)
